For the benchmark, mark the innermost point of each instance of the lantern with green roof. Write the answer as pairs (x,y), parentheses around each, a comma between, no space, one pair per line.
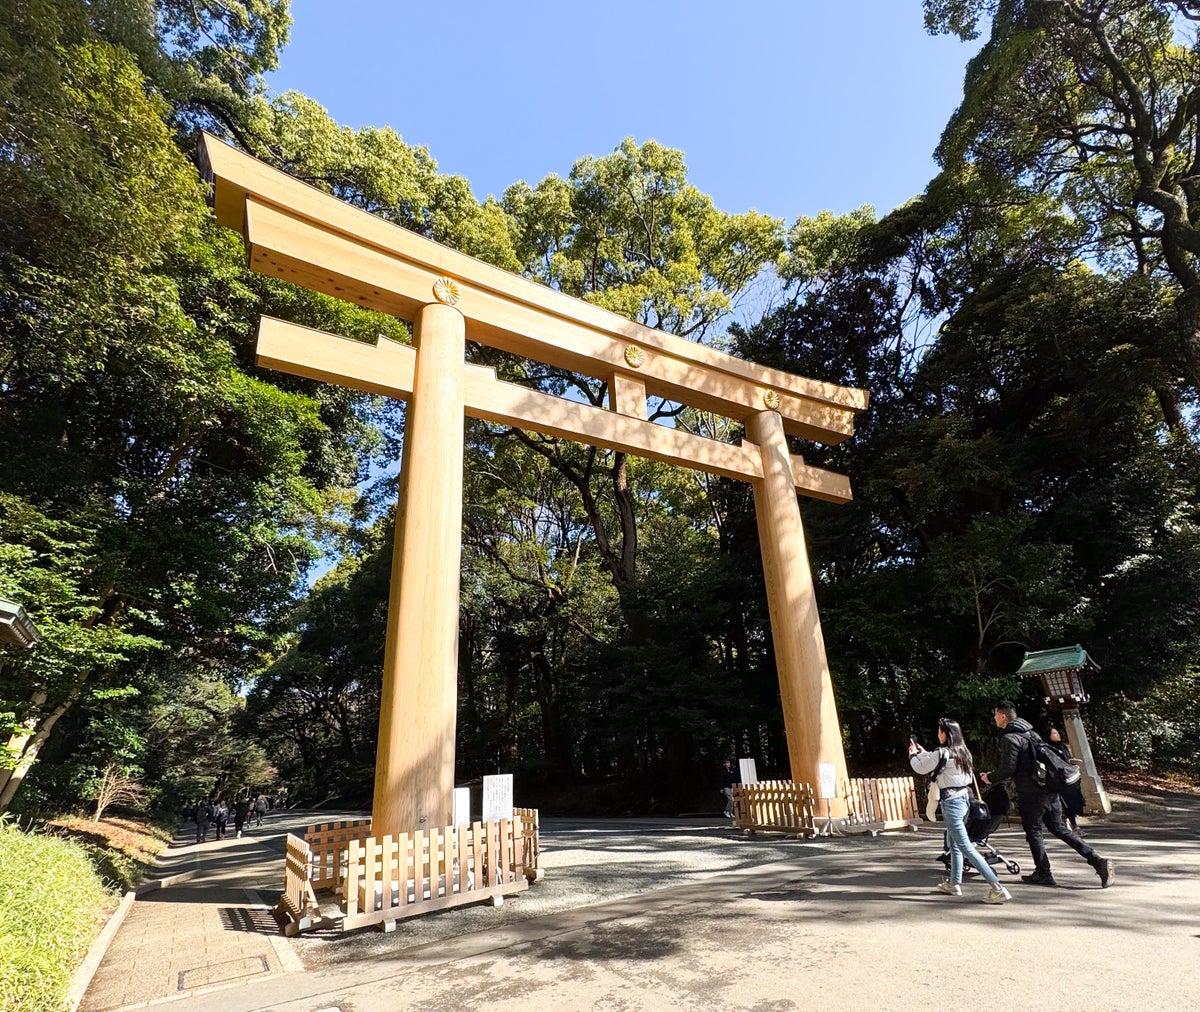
(1061,671)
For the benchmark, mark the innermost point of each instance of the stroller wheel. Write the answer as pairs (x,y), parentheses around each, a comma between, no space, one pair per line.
(1013,868)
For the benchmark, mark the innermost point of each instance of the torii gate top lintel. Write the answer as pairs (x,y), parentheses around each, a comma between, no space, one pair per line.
(301,234)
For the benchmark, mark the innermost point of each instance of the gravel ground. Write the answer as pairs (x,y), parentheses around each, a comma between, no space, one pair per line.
(586,861)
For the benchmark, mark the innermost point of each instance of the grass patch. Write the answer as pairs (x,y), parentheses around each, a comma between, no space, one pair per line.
(52,904)
(120,849)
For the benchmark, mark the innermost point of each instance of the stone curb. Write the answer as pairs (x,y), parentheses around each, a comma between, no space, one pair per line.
(82,977)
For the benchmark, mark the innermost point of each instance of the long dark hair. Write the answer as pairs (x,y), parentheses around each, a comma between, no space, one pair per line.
(955,744)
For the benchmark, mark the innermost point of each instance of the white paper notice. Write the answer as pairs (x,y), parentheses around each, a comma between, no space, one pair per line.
(497,797)
(828,774)
(747,771)
(462,806)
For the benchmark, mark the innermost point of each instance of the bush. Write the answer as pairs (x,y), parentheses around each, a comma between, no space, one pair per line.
(1162,729)
(51,906)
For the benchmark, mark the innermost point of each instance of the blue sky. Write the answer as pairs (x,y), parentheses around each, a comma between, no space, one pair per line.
(789,108)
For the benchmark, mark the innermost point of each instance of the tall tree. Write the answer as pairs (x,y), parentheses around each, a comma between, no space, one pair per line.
(1097,103)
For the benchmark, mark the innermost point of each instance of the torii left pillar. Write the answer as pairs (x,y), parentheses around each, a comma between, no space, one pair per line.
(414,771)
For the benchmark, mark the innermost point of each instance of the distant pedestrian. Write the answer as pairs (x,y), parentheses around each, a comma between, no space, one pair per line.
(241,808)
(1039,809)
(260,809)
(220,817)
(729,777)
(951,764)
(202,816)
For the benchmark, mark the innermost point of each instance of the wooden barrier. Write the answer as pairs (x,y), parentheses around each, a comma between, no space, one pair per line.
(367,881)
(329,844)
(774,805)
(391,879)
(876,804)
(298,902)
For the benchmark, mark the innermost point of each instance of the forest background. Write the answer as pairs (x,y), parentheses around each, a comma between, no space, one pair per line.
(1026,476)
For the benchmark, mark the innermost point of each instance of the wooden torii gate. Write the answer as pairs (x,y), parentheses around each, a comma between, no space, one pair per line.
(295,232)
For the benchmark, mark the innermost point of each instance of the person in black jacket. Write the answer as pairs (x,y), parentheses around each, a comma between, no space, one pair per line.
(1038,808)
(1071,796)
(729,777)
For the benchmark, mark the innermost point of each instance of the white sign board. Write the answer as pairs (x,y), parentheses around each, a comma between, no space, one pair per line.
(827,773)
(747,771)
(462,806)
(497,797)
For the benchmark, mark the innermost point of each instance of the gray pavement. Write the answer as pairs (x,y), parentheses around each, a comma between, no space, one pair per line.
(686,914)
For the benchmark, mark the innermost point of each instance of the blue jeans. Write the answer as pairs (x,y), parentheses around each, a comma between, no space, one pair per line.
(954,811)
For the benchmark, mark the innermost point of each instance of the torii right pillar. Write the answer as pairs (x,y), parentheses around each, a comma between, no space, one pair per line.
(814,734)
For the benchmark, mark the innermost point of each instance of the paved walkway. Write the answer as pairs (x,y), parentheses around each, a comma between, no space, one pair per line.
(716,921)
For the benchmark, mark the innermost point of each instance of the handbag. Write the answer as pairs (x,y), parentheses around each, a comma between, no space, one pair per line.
(977,808)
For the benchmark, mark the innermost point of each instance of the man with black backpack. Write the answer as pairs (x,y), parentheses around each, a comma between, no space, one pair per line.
(1039,805)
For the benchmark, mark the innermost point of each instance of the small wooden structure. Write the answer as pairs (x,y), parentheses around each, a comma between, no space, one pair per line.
(1061,672)
(874,804)
(780,806)
(880,803)
(338,875)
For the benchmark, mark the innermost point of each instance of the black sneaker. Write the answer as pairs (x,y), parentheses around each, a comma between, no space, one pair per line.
(1104,868)
(1033,878)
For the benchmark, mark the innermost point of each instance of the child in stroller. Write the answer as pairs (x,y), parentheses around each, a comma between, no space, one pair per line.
(978,830)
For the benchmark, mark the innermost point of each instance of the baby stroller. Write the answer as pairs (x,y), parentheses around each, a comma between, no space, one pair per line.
(978,830)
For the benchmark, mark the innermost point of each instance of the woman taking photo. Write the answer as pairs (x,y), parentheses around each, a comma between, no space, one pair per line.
(951,763)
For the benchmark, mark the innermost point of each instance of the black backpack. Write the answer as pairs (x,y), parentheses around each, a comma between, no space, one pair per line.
(1051,772)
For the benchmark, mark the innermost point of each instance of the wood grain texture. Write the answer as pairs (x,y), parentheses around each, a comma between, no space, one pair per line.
(805,688)
(303,235)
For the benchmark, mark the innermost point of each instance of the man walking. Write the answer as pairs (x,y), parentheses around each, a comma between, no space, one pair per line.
(1038,808)
(728,779)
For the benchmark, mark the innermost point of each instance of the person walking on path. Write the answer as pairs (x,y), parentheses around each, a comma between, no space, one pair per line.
(1071,797)
(1039,809)
(220,817)
(202,815)
(728,779)
(260,809)
(951,767)
(241,808)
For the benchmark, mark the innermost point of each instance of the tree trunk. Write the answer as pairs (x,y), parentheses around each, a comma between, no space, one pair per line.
(29,747)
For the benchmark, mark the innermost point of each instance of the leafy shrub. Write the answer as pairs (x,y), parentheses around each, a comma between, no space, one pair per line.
(51,906)
(1162,728)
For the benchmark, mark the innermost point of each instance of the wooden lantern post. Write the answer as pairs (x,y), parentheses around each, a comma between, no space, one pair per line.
(1061,673)
(294,232)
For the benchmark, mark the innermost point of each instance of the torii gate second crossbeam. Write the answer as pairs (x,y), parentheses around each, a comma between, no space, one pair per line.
(302,235)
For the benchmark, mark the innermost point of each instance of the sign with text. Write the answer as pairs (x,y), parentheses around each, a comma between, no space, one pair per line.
(462,806)
(497,797)
(747,771)
(827,773)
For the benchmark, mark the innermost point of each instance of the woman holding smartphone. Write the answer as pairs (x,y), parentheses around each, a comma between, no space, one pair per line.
(952,764)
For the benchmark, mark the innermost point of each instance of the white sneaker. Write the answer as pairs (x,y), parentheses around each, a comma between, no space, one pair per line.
(949,888)
(997,894)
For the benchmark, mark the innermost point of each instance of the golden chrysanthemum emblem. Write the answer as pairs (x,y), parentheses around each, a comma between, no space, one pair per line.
(446,291)
(771,399)
(635,356)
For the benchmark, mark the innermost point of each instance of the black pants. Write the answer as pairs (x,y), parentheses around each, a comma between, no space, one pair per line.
(1043,810)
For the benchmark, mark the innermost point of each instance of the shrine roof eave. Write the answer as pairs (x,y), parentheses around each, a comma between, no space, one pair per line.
(1044,662)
